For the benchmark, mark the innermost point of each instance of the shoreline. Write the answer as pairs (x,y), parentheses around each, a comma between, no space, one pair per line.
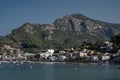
(41,62)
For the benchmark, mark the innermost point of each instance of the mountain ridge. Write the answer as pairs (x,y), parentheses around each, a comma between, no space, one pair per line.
(66,32)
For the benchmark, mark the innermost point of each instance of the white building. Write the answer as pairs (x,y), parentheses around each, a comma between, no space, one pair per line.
(105,57)
(26,55)
(82,54)
(49,52)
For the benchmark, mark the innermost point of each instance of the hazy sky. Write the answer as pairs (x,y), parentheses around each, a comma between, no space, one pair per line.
(13,13)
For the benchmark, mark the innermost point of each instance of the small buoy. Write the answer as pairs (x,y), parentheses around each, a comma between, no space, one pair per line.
(30,66)
(75,68)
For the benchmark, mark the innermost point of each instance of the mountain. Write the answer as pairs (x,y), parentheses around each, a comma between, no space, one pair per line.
(82,25)
(69,31)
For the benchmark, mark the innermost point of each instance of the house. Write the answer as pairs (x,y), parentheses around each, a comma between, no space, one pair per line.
(83,54)
(105,57)
(50,51)
(27,56)
(84,50)
(61,52)
(45,55)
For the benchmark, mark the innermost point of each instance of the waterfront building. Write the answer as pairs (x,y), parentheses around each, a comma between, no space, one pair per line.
(83,54)
(46,54)
(27,56)
(105,57)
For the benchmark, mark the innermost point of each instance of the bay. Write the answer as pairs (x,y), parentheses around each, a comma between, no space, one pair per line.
(57,71)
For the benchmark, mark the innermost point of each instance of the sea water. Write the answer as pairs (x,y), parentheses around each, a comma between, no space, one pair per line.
(56,71)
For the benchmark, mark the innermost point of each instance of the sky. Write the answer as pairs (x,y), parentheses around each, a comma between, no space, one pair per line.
(14,13)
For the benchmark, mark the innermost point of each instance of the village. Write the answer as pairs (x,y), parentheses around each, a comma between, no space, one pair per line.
(78,55)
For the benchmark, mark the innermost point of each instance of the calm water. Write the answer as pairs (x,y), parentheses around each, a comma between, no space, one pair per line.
(43,71)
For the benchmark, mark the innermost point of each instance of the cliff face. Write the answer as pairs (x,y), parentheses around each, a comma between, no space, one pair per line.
(68,31)
(83,25)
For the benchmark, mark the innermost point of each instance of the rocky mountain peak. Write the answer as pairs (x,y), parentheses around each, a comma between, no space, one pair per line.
(77,22)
